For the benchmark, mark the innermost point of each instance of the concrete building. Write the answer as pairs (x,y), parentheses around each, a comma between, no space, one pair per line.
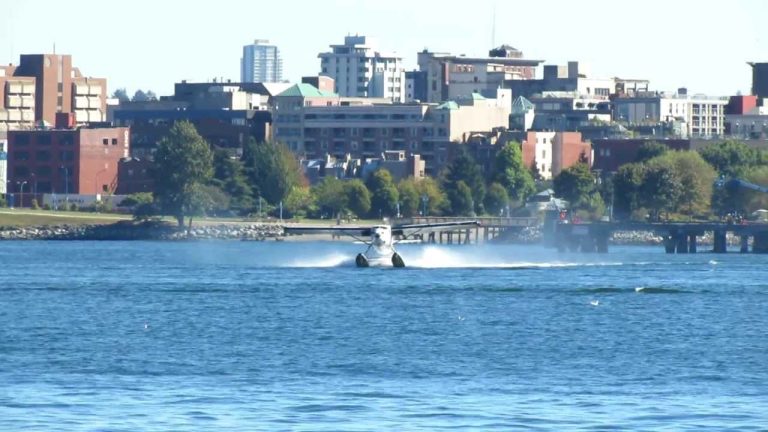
(759,80)
(552,152)
(703,115)
(568,111)
(360,70)
(58,88)
(314,123)
(415,86)
(17,100)
(261,62)
(400,164)
(451,76)
(227,115)
(746,119)
(575,78)
(65,161)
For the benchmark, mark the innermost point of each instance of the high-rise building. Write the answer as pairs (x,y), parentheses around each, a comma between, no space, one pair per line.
(43,85)
(261,62)
(359,70)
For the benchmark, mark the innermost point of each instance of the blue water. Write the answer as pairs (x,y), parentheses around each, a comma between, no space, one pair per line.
(126,336)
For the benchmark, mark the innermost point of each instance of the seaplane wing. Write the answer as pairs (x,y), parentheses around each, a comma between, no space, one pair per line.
(413,229)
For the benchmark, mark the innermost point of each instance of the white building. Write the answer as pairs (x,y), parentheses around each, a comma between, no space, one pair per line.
(261,62)
(360,70)
(703,115)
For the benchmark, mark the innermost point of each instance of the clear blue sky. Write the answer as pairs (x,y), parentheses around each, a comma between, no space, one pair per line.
(703,44)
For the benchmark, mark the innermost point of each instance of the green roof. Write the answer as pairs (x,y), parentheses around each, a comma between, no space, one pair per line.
(306,90)
(450,105)
(477,96)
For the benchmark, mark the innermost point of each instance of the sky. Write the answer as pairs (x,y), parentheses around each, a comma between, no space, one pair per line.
(702,45)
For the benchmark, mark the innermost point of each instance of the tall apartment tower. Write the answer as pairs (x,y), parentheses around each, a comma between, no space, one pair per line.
(359,70)
(261,62)
(43,85)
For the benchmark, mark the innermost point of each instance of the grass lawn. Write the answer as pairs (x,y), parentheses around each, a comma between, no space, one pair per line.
(27,217)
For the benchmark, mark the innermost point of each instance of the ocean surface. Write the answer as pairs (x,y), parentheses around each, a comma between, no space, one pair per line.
(245,336)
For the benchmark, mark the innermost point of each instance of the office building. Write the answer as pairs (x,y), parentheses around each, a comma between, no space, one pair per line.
(359,69)
(261,62)
(43,85)
(64,160)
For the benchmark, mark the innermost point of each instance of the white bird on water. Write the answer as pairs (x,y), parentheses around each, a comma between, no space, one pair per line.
(595,302)
(146,326)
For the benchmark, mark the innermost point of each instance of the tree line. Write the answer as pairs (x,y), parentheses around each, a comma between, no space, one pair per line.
(192,179)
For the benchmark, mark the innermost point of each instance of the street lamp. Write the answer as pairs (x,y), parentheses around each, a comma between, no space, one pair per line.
(21,192)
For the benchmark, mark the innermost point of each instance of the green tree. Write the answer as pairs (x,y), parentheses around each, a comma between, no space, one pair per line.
(696,178)
(464,168)
(461,200)
(121,95)
(299,202)
(661,189)
(732,159)
(575,184)
(183,162)
(511,173)
(358,197)
(383,193)
(496,200)
(650,150)
(330,196)
(272,170)
(229,176)
(410,198)
(433,195)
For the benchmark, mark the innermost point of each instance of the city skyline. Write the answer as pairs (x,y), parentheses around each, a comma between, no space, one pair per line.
(706,53)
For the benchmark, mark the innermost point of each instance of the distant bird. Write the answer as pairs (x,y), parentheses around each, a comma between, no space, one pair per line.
(595,302)
(461,318)
(146,326)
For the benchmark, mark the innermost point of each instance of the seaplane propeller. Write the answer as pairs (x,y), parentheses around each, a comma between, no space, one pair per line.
(380,239)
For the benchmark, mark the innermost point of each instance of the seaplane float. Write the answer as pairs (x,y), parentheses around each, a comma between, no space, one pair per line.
(380,239)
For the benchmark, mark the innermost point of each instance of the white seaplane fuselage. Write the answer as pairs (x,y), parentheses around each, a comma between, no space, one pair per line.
(381,250)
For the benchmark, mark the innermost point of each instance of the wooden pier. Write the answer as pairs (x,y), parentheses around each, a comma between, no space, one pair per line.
(490,228)
(678,237)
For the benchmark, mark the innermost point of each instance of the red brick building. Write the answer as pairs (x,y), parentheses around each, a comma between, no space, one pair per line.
(74,161)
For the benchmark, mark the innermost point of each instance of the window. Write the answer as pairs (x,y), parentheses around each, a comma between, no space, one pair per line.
(20,156)
(21,139)
(44,140)
(105,141)
(43,156)
(22,171)
(114,141)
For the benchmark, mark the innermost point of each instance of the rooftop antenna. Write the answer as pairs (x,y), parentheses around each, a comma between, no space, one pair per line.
(54,48)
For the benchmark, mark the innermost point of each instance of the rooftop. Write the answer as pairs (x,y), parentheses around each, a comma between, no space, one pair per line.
(305,90)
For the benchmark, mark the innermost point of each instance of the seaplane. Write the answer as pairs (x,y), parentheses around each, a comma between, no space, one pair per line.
(380,239)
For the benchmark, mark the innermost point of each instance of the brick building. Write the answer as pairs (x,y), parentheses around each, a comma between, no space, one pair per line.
(47,84)
(65,161)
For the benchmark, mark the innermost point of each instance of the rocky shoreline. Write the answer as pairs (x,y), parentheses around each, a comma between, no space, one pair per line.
(142,231)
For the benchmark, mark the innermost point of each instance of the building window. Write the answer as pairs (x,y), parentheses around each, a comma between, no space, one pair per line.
(44,140)
(21,156)
(114,141)
(43,156)
(105,141)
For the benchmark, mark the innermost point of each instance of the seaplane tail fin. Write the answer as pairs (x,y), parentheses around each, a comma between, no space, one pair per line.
(412,229)
(352,231)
